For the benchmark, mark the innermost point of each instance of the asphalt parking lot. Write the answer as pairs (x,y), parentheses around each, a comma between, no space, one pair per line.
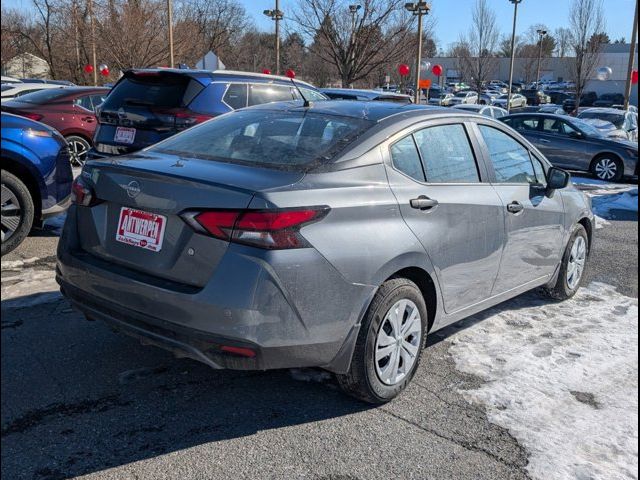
(78,399)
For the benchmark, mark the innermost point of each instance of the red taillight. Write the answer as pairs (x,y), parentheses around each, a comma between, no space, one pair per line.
(33,116)
(82,194)
(241,351)
(270,229)
(181,118)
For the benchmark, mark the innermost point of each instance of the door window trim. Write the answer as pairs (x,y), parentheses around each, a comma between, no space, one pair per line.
(483,178)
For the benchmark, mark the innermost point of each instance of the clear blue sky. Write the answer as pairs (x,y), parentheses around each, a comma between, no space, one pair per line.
(453,16)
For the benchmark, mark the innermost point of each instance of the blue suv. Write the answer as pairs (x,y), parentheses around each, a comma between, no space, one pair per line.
(36,177)
(147,106)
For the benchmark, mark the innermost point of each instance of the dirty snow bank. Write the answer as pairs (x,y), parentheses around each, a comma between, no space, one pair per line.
(23,286)
(604,205)
(562,378)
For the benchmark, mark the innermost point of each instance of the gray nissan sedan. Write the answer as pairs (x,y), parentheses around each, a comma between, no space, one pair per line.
(333,235)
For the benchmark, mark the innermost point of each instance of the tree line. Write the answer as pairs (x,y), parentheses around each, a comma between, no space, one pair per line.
(322,42)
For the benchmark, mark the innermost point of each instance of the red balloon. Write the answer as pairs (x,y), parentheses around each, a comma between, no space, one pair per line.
(403,69)
(105,72)
(290,73)
(437,70)
(634,77)
(88,68)
(266,71)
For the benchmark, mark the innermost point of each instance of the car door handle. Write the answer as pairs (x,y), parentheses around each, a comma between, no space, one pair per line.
(542,140)
(423,203)
(515,207)
(87,119)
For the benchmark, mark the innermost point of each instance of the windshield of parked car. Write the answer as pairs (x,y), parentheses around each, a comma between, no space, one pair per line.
(461,94)
(586,128)
(616,119)
(43,96)
(277,139)
(6,87)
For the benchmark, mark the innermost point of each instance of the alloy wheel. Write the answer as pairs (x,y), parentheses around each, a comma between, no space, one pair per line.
(78,149)
(606,169)
(11,213)
(577,261)
(398,342)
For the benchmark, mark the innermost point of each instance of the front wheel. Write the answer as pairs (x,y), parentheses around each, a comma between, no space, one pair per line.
(389,344)
(17,212)
(574,263)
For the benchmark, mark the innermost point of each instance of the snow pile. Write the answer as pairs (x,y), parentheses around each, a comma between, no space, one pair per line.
(23,287)
(604,205)
(562,378)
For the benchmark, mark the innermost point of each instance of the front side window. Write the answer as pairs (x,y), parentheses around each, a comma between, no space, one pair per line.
(236,95)
(511,161)
(447,155)
(260,93)
(406,159)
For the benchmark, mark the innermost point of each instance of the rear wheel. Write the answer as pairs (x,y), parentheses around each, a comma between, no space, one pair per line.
(78,150)
(17,212)
(389,343)
(607,168)
(574,263)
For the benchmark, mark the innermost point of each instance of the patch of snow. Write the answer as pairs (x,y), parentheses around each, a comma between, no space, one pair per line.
(562,378)
(29,287)
(601,222)
(603,205)
(17,264)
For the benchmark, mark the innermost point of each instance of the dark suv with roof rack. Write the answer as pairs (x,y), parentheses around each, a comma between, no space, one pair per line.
(147,106)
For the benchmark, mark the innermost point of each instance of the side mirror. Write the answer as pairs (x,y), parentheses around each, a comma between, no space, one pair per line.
(576,134)
(557,179)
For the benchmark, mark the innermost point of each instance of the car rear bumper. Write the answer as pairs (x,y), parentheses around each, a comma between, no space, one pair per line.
(288,316)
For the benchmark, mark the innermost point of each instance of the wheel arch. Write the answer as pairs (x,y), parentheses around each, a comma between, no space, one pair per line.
(588,226)
(427,287)
(603,154)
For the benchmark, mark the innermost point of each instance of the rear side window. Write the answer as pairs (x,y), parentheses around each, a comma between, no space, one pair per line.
(523,123)
(84,102)
(511,161)
(157,90)
(236,95)
(260,93)
(406,159)
(447,155)
(277,139)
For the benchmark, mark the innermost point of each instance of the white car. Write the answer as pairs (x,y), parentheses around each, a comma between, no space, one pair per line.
(625,121)
(486,110)
(517,101)
(441,100)
(464,98)
(13,90)
(5,79)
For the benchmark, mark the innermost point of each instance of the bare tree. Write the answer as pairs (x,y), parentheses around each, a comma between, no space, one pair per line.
(586,19)
(563,41)
(380,34)
(481,43)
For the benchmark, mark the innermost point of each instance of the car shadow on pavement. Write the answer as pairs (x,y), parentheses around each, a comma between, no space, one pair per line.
(78,398)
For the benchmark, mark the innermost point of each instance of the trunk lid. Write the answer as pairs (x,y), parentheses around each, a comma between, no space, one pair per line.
(167,185)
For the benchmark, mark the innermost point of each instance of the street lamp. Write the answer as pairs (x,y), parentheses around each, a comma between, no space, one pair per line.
(632,51)
(353,9)
(541,33)
(276,15)
(419,9)
(513,50)
(170,23)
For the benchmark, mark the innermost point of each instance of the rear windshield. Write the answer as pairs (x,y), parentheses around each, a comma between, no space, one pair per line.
(43,96)
(5,87)
(284,140)
(158,90)
(616,119)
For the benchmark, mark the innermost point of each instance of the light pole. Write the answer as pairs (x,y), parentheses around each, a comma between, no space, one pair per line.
(170,22)
(276,15)
(353,9)
(513,51)
(94,60)
(541,33)
(419,9)
(632,57)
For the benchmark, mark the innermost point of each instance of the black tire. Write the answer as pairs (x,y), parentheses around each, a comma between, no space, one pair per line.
(362,381)
(561,289)
(17,212)
(601,165)
(78,149)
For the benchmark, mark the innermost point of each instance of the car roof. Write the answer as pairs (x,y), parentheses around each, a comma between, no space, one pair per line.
(376,111)
(364,92)
(604,110)
(228,74)
(16,87)
(469,107)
